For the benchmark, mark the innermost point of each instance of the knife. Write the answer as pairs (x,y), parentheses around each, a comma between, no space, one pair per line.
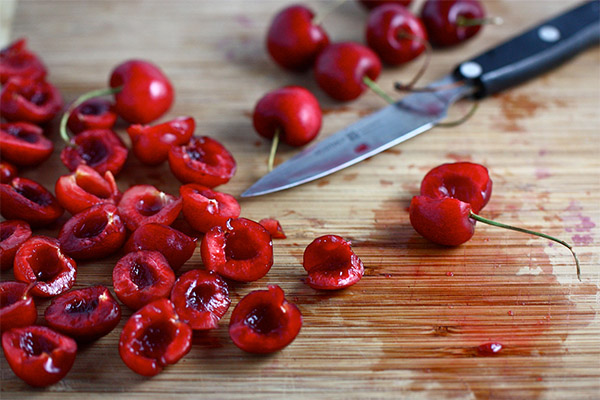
(527,55)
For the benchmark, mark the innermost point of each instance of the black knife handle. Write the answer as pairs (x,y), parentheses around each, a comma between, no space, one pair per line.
(535,51)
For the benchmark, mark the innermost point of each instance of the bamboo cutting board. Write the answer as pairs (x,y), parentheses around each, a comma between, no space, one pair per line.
(411,327)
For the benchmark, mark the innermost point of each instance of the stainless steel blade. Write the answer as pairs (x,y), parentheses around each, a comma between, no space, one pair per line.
(372,134)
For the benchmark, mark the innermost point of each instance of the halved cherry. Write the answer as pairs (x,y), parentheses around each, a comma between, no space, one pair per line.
(142,204)
(24,144)
(28,200)
(101,149)
(41,260)
(17,308)
(151,144)
(84,188)
(153,338)
(93,233)
(142,277)
(176,246)
(85,314)
(331,264)
(204,208)
(94,113)
(38,355)
(200,298)
(264,321)
(29,99)
(273,227)
(203,160)
(17,60)
(241,250)
(7,172)
(13,234)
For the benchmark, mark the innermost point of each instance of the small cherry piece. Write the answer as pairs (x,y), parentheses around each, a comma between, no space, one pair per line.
(331,264)
(442,19)
(203,160)
(176,246)
(142,204)
(371,4)
(24,144)
(200,298)
(395,34)
(264,321)
(7,172)
(94,233)
(100,149)
(41,260)
(241,250)
(142,277)
(28,200)
(17,60)
(29,100)
(204,208)
(39,355)
(84,188)
(342,68)
(153,338)
(294,40)
(151,144)
(146,93)
(17,308)
(13,234)
(94,113)
(273,227)
(85,314)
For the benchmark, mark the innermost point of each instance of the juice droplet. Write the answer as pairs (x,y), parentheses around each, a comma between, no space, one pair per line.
(510,312)
(489,349)
(449,273)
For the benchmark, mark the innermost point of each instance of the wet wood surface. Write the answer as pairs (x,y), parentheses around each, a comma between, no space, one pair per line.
(412,326)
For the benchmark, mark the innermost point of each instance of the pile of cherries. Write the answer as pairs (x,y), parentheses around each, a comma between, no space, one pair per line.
(104,221)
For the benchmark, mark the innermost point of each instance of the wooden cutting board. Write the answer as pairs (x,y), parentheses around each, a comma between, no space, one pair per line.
(411,327)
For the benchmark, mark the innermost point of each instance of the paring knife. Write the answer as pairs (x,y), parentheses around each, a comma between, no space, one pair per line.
(516,60)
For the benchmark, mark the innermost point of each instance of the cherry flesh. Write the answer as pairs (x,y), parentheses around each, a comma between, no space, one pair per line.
(92,114)
(29,100)
(204,208)
(273,227)
(17,60)
(17,308)
(13,234)
(24,144)
(142,204)
(29,201)
(100,149)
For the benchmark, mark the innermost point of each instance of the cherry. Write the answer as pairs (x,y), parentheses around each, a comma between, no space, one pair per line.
(94,233)
(175,246)
(200,298)
(142,204)
(38,355)
(371,4)
(29,100)
(7,171)
(141,277)
(294,39)
(28,200)
(264,321)
(24,144)
(153,338)
(241,250)
(449,22)
(204,208)
(273,227)
(151,144)
(92,114)
(331,264)
(12,235)
(17,60)
(342,69)
(84,188)
(17,308)
(41,260)
(100,149)
(395,34)
(85,314)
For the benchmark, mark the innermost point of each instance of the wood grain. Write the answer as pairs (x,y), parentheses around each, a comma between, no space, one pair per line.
(411,327)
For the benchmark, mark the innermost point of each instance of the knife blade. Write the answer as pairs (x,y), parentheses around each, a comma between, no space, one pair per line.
(529,54)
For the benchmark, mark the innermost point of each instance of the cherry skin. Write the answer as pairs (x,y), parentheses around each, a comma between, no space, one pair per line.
(29,100)
(17,308)
(391,32)
(371,4)
(92,114)
(29,201)
(84,188)
(293,40)
(7,171)
(341,68)
(204,208)
(142,204)
(273,227)
(17,60)
(100,149)
(442,20)
(24,144)
(13,234)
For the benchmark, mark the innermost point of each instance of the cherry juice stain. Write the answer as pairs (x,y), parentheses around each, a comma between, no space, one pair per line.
(516,107)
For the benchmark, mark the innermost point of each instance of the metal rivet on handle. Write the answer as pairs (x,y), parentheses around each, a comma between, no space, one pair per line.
(471,70)
(549,33)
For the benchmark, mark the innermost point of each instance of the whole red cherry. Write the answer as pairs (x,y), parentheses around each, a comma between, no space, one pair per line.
(448,22)
(294,40)
(341,69)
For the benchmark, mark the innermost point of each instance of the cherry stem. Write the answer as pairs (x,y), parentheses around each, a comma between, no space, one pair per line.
(461,120)
(274,146)
(377,89)
(317,19)
(421,71)
(464,22)
(81,99)
(543,235)
(28,289)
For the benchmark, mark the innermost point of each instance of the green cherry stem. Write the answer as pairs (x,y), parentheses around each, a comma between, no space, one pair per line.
(377,89)
(84,97)
(409,86)
(464,22)
(274,146)
(462,119)
(542,235)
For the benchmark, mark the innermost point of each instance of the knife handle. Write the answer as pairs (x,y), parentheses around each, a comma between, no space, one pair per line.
(535,51)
